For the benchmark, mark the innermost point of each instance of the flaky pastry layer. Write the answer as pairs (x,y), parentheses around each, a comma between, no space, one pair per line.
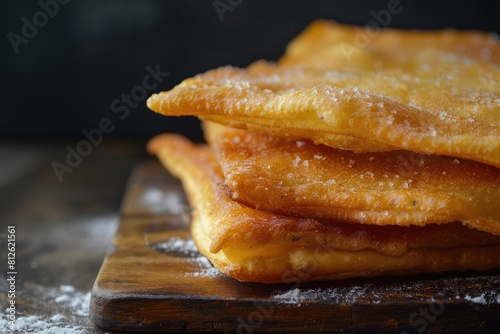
(327,44)
(299,178)
(428,92)
(257,246)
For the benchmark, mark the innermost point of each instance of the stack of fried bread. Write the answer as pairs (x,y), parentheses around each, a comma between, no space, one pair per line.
(345,159)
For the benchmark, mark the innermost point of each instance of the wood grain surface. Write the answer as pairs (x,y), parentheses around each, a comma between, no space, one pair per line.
(143,287)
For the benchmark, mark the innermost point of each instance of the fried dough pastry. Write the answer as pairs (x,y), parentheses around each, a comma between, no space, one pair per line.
(256,246)
(329,45)
(298,178)
(428,92)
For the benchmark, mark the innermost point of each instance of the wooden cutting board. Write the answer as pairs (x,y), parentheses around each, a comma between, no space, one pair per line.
(154,280)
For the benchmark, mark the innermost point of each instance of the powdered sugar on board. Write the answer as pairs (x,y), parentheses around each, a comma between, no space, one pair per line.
(478,300)
(485,298)
(177,246)
(77,302)
(70,307)
(36,324)
(348,295)
(158,201)
(341,296)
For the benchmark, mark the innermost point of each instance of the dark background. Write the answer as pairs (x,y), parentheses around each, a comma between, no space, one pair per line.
(64,79)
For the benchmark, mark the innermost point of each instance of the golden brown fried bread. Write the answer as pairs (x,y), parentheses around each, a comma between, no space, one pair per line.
(432,97)
(256,246)
(326,44)
(299,178)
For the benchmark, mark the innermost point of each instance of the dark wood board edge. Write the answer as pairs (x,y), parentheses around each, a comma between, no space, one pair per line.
(254,316)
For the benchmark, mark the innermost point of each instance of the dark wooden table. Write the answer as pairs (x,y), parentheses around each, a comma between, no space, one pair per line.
(63,229)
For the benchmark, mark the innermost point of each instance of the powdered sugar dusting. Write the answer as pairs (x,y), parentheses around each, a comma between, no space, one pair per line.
(371,293)
(478,300)
(40,325)
(207,270)
(158,201)
(73,305)
(340,296)
(67,288)
(177,246)
(77,302)
(292,296)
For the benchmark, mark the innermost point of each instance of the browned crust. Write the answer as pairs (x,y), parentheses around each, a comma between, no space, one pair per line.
(323,42)
(429,92)
(224,230)
(298,178)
